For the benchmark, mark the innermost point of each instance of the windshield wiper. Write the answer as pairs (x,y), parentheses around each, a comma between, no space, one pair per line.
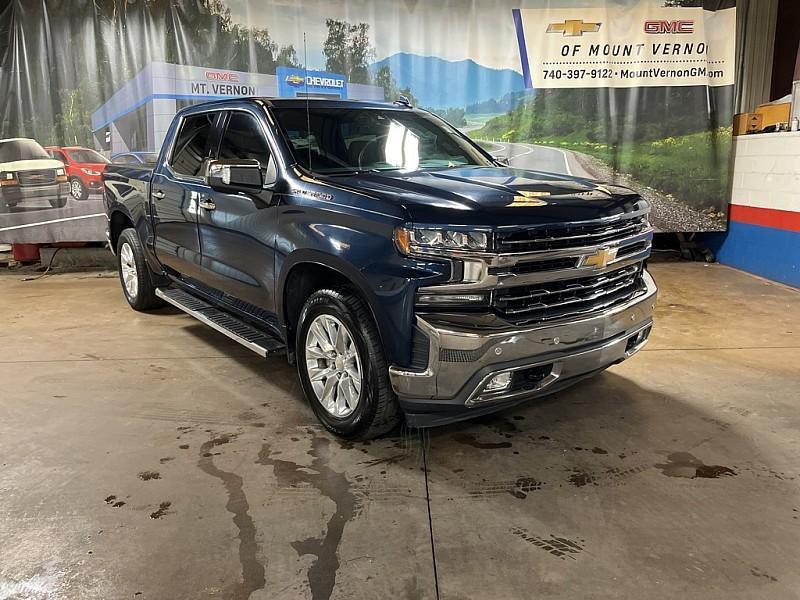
(356,172)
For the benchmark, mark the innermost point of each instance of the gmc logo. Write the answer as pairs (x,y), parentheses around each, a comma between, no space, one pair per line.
(221,76)
(661,26)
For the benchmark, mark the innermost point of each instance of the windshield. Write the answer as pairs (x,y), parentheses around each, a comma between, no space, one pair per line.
(346,140)
(84,155)
(21,150)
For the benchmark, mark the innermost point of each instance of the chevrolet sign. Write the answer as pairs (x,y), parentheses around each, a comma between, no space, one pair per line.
(572,28)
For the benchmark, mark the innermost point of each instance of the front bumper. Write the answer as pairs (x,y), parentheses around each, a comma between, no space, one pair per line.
(93,183)
(465,352)
(15,194)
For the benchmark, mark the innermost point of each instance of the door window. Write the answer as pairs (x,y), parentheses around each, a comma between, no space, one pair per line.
(57,155)
(244,139)
(191,146)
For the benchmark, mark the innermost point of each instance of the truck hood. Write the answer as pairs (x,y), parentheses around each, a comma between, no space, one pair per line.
(31,165)
(495,196)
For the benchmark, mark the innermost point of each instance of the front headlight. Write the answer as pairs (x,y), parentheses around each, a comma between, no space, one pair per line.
(90,172)
(60,172)
(424,241)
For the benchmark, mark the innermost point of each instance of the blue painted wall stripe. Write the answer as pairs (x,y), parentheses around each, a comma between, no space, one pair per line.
(765,251)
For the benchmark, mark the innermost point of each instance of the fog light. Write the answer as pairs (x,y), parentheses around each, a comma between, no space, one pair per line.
(498,383)
(637,340)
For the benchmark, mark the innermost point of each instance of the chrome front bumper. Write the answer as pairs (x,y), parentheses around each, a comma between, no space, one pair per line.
(466,351)
(40,192)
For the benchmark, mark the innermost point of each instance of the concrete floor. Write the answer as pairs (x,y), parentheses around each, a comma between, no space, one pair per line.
(146,456)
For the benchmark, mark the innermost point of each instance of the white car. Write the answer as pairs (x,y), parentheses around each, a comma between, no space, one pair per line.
(27,173)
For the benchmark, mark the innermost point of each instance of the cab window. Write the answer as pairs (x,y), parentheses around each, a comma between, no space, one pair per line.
(244,139)
(192,144)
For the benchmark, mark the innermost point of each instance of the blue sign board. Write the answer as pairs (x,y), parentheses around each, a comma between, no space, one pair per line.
(299,82)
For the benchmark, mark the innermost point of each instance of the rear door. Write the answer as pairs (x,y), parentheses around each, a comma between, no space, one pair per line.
(176,189)
(237,231)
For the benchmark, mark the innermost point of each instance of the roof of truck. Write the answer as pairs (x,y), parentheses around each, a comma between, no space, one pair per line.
(335,102)
(300,103)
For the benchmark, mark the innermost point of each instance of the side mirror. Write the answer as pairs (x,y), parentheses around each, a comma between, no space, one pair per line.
(234,175)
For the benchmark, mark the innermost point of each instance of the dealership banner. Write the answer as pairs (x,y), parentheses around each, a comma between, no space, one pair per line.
(635,92)
(634,45)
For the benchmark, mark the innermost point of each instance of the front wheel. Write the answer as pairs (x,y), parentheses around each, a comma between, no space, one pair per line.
(342,366)
(58,202)
(134,274)
(77,189)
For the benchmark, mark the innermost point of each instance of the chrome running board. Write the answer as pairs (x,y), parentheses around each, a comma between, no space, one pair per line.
(248,336)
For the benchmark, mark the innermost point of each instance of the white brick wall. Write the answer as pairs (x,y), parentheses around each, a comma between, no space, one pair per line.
(766,171)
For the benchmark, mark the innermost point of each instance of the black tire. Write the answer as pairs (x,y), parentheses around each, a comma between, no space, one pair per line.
(144,297)
(58,202)
(77,190)
(377,411)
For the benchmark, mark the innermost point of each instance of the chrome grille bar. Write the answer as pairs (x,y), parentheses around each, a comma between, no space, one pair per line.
(568,236)
(577,285)
(599,293)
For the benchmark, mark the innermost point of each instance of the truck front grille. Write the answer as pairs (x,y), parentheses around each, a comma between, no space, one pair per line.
(564,298)
(567,236)
(37,177)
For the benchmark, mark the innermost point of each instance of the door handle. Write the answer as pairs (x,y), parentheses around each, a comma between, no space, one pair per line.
(207,204)
(158,194)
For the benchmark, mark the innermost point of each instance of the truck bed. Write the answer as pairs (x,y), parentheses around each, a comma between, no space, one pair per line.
(128,184)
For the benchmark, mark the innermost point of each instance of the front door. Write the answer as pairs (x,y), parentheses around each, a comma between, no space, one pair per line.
(175,193)
(237,230)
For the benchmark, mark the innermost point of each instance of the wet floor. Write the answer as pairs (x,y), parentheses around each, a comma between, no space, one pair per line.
(145,456)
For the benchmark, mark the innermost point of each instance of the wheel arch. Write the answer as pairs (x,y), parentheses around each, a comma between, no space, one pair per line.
(308,271)
(117,222)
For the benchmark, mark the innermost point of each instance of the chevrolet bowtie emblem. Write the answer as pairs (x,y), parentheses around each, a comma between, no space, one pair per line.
(599,259)
(573,28)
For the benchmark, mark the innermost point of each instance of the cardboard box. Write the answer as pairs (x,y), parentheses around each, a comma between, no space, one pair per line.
(772,114)
(745,123)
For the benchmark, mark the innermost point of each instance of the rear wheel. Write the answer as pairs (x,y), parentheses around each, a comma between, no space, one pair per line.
(77,189)
(134,274)
(342,366)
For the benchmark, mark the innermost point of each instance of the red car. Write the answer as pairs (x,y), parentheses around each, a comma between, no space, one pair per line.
(84,169)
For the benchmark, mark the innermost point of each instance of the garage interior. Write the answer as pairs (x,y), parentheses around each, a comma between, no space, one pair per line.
(150,457)
(147,456)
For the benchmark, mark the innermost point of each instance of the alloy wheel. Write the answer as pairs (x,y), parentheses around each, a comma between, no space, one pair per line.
(127,265)
(333,365)
(76,189)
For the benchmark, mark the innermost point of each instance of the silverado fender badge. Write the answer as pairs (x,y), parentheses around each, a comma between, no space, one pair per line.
(599,259)
(312,194)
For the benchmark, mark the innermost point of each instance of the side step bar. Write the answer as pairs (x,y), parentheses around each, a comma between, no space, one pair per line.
(248,336)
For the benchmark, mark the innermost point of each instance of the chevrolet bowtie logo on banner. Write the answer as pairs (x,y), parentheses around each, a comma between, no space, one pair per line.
(573,28)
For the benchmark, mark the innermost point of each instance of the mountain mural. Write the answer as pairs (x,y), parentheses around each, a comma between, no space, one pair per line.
(439,83)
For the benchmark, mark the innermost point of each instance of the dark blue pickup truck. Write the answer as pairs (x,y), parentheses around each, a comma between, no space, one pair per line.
(406,272)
